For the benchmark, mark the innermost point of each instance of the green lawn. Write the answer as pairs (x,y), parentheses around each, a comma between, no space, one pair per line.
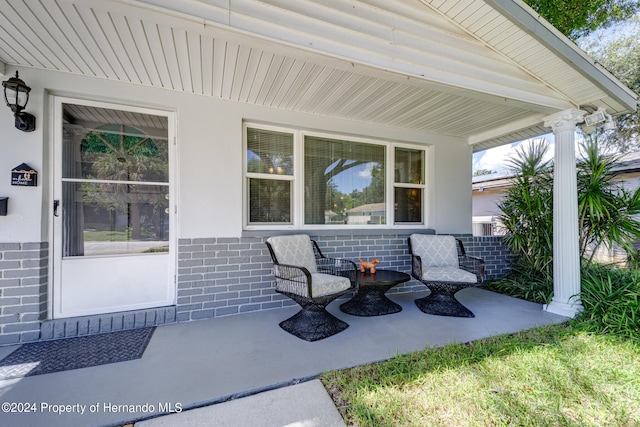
(105,236)
(549,376)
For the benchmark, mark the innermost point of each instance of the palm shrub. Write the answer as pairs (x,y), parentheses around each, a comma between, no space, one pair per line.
(606,215)
(525,209)
(528,222)
(606,209)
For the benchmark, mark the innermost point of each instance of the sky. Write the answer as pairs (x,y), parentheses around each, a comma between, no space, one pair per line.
(496,159)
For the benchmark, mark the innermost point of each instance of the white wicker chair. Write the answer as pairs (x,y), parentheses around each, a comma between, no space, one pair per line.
(312,280)
(441,263)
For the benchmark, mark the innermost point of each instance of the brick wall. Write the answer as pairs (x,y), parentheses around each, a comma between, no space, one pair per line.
(215,277)
(224,276)
(497,257)
(23,291)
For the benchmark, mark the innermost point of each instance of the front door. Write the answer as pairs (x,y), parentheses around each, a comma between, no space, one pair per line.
(113,246)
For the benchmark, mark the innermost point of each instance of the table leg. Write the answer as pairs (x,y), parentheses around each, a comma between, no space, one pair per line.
(371,301)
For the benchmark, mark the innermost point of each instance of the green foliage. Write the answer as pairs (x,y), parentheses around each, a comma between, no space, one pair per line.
(611,300)
(607,210)
(549,376)
(527,210)
(620,54)
(525,283)
(481,172)
(607,215)
(576,18)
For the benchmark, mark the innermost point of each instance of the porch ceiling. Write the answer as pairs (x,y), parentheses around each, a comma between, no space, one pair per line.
(487,71)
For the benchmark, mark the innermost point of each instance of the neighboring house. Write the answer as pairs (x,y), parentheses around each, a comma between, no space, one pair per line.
(173,137)
(488,191)
(372,213)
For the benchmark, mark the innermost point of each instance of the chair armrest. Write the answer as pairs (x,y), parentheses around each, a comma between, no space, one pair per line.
(292,279)
(416,267)
(473,265)
(339,267)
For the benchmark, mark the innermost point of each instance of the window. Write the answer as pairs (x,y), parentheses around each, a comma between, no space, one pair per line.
(408,185)
(336,182)
(270,176)
(115,184)
(344,182)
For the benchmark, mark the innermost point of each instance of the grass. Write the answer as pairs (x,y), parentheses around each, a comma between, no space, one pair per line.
(116,236)
(582,373)
(556,375)
(105,236)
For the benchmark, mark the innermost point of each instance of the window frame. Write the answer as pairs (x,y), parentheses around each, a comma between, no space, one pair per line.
(421,187)
(298,185)
(275,177)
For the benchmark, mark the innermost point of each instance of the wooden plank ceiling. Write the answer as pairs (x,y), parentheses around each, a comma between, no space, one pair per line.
(454,68)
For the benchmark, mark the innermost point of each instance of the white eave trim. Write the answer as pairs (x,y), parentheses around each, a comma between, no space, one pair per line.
(508,129)
(527,19)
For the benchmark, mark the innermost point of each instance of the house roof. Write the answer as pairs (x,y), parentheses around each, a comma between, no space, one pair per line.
(628,163)
(487,71)
(367,209)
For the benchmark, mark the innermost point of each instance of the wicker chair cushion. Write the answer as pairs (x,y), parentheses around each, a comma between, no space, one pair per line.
(327,284)
(294,250)
(448,274)
(435,251)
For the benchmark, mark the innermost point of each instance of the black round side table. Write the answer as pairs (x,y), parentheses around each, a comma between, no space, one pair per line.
(370,299)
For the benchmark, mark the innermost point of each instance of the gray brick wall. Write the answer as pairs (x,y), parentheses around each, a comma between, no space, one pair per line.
(497,257)
(224,276)
(216,277)
(391,249)
(23,291)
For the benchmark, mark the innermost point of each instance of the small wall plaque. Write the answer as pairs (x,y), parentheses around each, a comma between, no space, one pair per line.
(24,176)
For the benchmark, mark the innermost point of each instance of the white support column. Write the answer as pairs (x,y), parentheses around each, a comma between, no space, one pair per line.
(566,248)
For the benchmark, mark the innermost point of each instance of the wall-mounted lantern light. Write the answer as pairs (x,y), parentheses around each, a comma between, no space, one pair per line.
(16,94)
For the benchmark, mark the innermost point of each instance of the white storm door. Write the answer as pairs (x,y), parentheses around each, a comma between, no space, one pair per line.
(113,245)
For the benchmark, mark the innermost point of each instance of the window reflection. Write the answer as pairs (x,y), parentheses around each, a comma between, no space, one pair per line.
(115,184)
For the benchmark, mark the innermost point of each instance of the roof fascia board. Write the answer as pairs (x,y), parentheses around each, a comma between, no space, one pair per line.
(527,19)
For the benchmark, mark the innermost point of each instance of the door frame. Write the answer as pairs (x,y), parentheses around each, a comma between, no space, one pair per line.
(55,158)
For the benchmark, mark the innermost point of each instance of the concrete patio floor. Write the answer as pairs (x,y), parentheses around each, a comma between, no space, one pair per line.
(195,364)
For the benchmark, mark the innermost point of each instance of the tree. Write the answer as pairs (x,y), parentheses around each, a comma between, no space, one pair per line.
(122,153)
(325,160)
(481,172)
(319,174)
(621,56)
(577,18)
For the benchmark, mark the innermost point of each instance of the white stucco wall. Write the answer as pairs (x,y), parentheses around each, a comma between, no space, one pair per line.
(209,140)
(485,203)
(451,177)
(23,221)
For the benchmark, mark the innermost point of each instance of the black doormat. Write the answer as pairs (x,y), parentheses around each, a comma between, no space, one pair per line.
(46,357)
